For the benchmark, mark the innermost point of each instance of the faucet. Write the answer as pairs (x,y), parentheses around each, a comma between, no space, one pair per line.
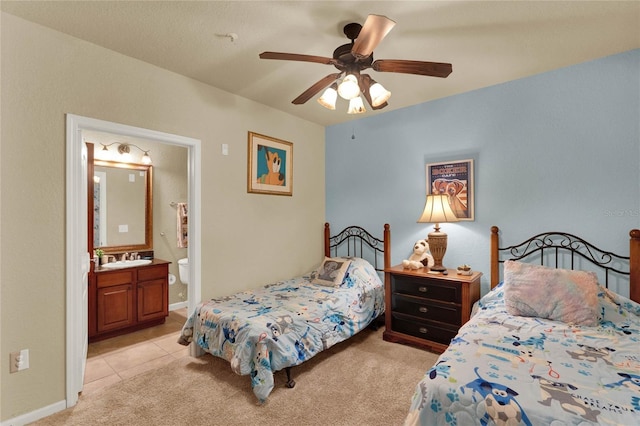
(124,257)
(134,256)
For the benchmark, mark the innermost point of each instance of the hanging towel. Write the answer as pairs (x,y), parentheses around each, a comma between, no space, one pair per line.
(183,226)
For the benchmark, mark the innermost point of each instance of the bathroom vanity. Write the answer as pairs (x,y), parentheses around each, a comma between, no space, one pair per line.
(126,299)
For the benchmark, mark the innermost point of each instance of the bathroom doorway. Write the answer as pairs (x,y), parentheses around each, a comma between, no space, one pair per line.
(167,193)
(77,256)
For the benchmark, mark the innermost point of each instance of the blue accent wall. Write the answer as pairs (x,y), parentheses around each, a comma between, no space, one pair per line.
(559,151)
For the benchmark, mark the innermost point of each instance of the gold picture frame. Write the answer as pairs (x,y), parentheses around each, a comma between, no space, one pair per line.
(269,165)
(454,178)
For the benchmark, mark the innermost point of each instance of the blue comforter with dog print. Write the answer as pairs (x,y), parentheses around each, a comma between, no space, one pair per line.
(281,325)
(511,370)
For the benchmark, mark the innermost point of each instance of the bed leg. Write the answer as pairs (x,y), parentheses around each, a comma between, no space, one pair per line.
(195,350)
(290,382)
(377,323)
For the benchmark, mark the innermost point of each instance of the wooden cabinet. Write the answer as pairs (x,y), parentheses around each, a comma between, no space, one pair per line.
(426,310)
(126,300)
(152,293)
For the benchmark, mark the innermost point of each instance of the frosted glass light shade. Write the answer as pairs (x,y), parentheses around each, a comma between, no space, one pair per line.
(349,88)
(328,98)
(146,158)
(356,106)
(379,94)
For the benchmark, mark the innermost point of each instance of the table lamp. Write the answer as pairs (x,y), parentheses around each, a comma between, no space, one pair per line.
(437,210)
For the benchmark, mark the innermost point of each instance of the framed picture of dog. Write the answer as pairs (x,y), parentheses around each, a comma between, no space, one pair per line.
(454,178)
(270,165)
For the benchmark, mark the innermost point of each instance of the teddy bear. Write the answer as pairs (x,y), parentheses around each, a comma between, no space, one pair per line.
(420,257)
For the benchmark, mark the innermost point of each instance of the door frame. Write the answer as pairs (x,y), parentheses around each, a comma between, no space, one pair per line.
(76,235)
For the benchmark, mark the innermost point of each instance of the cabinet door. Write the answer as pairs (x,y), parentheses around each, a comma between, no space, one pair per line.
(115,307)
(152,299)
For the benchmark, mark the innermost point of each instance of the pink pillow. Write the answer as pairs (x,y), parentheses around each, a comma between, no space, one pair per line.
(557,294)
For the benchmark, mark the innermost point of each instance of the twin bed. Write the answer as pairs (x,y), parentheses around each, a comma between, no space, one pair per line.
(281,325)
(549,344)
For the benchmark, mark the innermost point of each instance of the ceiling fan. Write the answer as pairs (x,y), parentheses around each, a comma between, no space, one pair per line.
(352,58)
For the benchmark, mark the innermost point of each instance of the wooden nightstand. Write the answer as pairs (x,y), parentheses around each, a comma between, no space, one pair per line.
(426,310)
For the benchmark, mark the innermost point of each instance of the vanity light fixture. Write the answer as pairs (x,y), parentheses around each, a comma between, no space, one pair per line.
(124,149)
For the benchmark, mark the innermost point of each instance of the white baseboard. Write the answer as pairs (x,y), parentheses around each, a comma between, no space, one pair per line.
(179,305)
(60,405)
(35,415)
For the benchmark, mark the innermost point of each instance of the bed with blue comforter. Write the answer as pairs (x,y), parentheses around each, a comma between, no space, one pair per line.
(546,346)
(505,369)
(283,324)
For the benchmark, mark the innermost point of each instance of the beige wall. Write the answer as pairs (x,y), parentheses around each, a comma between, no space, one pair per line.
(247,239)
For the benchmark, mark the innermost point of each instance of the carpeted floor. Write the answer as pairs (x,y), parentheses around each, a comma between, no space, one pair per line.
(363,381)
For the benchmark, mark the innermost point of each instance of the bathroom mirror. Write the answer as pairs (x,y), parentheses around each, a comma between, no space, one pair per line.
(123,206)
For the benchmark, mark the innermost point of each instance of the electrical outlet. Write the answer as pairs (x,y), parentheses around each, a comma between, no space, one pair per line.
(18,361)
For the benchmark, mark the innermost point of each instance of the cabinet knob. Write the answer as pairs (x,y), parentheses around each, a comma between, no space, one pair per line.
(422,289)
(423,309)
(423,330)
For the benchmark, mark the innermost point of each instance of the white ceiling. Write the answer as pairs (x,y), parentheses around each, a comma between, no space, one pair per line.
(487,42)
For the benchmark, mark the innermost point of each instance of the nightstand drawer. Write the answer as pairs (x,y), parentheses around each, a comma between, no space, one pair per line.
(423,329)
(424,287)
(425,309)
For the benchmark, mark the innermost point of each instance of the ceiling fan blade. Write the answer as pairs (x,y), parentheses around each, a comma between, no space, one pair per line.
(432,69)
(375,28)
(365,82)
(297,57)
(317,87)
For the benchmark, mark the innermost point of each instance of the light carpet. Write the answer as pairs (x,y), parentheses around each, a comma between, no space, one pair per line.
(363,381)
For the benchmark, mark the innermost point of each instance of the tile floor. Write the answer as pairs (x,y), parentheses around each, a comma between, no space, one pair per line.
(118,358)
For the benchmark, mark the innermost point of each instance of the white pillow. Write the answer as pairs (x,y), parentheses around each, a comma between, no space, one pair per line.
(558,294)
(331,272)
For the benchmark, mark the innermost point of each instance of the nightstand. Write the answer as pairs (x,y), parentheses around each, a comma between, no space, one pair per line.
(426,310)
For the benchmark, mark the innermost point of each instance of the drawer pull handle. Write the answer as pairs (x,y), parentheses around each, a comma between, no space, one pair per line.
(422,289)
(423,330)
(423,309)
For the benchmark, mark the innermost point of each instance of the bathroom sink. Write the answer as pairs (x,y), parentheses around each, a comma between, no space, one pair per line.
(126,263)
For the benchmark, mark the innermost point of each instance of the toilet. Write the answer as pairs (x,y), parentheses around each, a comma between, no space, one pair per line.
(183,270)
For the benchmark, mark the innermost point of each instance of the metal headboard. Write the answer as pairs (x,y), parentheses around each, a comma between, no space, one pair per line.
(355,240)
(551,246)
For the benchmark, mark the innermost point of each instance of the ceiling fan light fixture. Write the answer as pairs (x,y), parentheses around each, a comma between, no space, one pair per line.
(379,94)
(356,106)
(329,97)
(349,88)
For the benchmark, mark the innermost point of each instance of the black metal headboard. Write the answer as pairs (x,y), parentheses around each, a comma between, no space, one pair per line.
(354,241)
(552,247)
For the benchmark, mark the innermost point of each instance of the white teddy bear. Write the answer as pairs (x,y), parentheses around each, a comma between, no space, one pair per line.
(420,253)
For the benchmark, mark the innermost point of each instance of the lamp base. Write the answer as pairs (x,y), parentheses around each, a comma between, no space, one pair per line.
(438,268)
(438,246)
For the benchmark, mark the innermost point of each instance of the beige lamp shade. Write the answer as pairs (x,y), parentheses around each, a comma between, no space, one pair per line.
(437,210)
